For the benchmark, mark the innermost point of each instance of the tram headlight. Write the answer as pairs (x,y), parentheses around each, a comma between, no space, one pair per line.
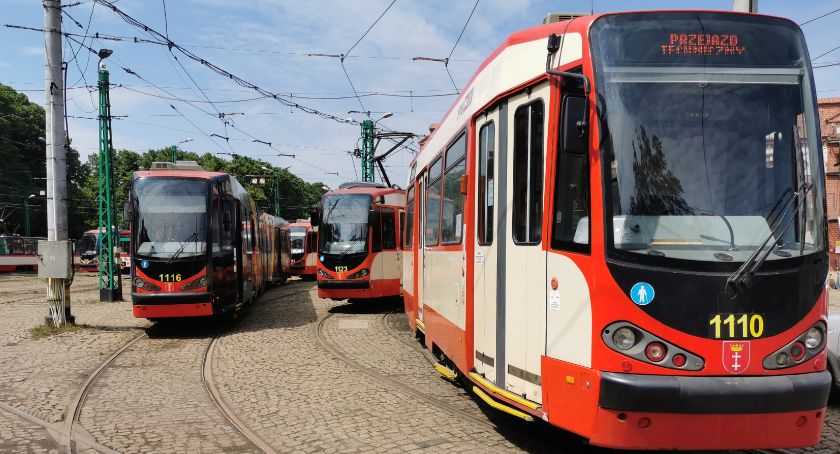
(361,273)
(144,285)
(813,338)
(324,274)
(781,358)
(198,283)
(624,338)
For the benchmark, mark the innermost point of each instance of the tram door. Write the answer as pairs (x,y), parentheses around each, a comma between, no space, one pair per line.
(486,257)
(524,260)
(420,230)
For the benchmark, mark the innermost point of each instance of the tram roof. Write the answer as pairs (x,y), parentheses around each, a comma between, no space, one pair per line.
(201,174)
(372,191)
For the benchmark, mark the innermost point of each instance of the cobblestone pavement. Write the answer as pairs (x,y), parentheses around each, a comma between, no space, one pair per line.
(41,376)
(372,390)
(152,397)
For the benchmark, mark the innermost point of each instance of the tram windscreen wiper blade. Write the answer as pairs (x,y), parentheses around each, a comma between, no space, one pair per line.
(743,274)
(181,249)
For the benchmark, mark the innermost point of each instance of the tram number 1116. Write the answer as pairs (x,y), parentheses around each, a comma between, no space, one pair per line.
(736,326)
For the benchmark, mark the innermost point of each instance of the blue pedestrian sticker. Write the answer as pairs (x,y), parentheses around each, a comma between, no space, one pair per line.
(322,258)
(642,293)
(144,264)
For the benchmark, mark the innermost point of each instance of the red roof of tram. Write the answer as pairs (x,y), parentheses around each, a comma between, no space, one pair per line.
(203,174)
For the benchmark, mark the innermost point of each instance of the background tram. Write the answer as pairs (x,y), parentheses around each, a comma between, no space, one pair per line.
(18,253)
(643,257)
(358,256)
(303,240)
(199,244)
(86,251)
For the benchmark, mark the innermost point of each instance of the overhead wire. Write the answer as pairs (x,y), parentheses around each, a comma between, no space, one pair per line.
(819,17)
(221,71)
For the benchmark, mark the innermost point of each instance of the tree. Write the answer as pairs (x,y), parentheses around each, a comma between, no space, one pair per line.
(23,169)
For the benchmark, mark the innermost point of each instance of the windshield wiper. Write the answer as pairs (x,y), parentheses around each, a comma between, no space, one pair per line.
(181,249)
(741,277)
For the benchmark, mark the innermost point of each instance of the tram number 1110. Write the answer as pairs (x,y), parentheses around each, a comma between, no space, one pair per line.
(736,326)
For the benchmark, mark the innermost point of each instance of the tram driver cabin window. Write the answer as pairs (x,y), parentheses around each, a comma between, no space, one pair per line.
(452,219)
(408,237)
(389,231)
(528,173)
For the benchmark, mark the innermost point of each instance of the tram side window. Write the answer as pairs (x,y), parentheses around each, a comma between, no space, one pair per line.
(486,183)
(389,230)
(433,194)
(570,229)
(216,222)
(227,224)
(408,237)
(527,173)
(452,220)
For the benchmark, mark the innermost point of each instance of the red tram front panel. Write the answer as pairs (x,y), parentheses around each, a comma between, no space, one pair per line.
(358,253)
(643,252)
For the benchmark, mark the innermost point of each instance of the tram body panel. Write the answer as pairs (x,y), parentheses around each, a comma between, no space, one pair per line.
(558,301)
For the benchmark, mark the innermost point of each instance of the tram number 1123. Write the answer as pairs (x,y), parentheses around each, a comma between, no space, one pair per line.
(737,326)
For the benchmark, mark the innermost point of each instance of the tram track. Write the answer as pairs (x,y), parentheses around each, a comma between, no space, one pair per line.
(389,381)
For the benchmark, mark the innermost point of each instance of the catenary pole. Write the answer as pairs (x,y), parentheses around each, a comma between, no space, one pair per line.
(745,6)
(58,268)
(110,288)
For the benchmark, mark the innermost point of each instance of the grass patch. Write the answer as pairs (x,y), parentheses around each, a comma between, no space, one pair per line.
(42,331)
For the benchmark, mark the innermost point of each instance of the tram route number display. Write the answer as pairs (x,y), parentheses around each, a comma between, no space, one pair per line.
(170,277)
(736,326)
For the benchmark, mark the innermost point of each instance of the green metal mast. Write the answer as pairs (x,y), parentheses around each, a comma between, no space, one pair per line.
(277,193)
(110,287)
(367,150)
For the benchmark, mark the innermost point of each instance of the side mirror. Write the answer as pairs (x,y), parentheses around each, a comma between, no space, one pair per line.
(373,217)
(315,218)
(464,184)
(128,211)
(574,134)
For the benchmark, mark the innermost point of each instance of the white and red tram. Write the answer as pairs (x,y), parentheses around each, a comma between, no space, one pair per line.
(620,228)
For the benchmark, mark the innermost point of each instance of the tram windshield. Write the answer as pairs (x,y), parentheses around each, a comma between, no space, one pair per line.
(171,217)
(297,236)
(708,121)
(344,224)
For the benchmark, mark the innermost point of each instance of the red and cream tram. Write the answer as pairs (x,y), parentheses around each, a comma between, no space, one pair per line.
(199,244)
(358,238)
(620,228)
(303,239)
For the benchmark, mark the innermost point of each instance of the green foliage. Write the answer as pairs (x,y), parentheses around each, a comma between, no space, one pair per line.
(23,172)
(23,168)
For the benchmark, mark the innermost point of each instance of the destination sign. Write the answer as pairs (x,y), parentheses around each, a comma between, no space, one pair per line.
(703,44)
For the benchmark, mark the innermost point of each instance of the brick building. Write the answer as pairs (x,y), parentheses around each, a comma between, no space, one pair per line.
(830,130)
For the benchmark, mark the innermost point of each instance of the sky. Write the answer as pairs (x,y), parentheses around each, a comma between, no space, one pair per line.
(269,44)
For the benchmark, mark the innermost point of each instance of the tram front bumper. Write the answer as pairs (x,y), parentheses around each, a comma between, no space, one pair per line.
(694,413)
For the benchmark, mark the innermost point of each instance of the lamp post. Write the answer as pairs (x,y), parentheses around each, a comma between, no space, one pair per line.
(175,148)
(26,230)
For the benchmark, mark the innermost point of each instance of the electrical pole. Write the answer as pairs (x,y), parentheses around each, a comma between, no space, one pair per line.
(26,229)
(367,150)
(174,153)
(745,6)
(110,285)
(55,258)
(277,193)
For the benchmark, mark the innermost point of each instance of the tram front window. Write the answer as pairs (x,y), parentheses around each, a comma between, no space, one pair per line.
(709,125)
(297,237)
(171,217)
(344,224)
